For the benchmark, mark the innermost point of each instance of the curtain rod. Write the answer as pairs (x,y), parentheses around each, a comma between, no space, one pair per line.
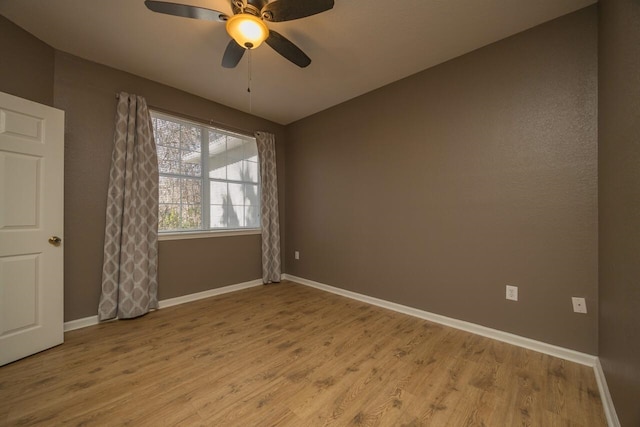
(223,126)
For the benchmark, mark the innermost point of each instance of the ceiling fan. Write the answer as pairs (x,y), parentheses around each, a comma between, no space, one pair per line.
(247,26)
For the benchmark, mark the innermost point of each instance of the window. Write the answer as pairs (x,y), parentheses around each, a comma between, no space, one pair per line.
(209,177)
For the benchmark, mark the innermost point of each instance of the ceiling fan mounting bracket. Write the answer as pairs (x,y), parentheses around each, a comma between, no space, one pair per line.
(252,7)
(257,4)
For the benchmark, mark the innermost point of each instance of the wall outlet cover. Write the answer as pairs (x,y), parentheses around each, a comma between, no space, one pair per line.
(579,305)
(512,293)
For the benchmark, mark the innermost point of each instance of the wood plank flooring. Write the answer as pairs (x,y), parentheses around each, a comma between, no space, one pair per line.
(289,355)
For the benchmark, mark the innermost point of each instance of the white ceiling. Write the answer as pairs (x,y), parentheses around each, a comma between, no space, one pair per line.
(356,47)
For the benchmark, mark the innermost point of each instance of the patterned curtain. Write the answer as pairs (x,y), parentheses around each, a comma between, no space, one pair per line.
(129,271)
(269,207)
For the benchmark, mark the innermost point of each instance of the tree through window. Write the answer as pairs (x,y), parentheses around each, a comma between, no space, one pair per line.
(209,178)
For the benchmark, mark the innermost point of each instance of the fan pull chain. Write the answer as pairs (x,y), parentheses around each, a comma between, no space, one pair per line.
(249,83)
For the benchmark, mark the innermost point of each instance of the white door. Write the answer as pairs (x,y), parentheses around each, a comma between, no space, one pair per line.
(31,206)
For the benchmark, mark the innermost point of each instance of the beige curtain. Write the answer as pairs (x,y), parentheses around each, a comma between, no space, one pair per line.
(269,220)
(129,272)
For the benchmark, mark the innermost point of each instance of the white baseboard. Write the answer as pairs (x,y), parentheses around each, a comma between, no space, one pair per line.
(550,349)
(93,320)
(207,294)
(605,396)
(80,323)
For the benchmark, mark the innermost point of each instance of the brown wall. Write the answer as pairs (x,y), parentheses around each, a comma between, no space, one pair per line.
(438,190)
(619,180)
(86,91)
(27,64)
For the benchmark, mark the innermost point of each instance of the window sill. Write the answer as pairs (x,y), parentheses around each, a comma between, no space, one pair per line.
(182,235)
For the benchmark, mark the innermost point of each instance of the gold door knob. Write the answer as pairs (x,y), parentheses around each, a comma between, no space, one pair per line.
(55,240)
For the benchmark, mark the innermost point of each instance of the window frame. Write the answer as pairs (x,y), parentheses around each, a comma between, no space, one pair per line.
(205,183)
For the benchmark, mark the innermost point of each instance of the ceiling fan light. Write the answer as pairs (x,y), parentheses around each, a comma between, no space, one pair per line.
(247,30)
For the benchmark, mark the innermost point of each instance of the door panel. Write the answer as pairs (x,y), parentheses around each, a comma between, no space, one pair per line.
(31,205)
(19,277)
(19,202)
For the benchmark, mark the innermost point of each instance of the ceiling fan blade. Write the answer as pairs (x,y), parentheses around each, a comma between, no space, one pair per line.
(287,10)
(290,51)
(185,11)
(232,54)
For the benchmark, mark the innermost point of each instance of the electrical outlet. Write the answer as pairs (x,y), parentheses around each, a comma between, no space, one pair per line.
(512,293)
(579,305)
(296,254)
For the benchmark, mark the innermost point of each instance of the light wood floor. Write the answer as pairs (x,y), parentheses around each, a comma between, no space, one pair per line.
(289,355)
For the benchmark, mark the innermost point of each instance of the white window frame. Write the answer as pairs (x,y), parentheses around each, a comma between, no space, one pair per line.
(205,179)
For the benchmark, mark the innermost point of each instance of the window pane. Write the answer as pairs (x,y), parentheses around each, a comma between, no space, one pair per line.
(235,216)
(180,203)
(191,191)
(227,216)
(169,190)
(168,133)
(217,217)
(234,171)
(190,138)
(169,217)
(250,171)
(251,195)
(218,193)
(236,194)
(217,165)
(252,216)
(168,160)
(235,149)
(191,218)
(190,155)
(191,169)
(251,151)
(219,173)
(217,142)
(190,164)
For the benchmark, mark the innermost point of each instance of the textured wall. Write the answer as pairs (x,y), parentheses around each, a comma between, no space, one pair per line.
(619,179)
(438,190)
(27,64)
(86,91)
